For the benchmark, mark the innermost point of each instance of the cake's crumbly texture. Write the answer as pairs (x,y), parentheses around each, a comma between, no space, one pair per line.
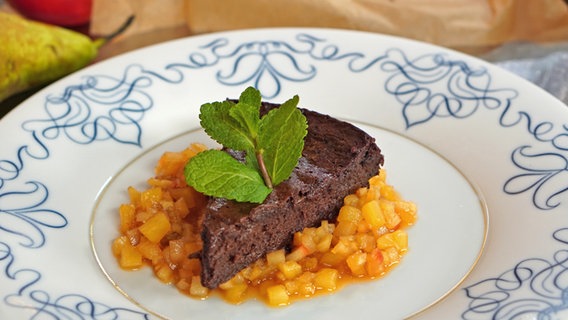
(337,159)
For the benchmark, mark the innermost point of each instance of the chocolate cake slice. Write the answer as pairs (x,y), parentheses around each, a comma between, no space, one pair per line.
(337,159)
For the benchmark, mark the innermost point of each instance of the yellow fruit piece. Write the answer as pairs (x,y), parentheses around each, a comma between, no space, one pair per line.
(170,163)
(344,247)
(366,242)
(118,244)
(390,256)
(309,263)
(356,263)
(150,250)
(142,216)
(191,197)
(373,214)
(406,211)
(392,220)
(307,240)
(397,240)
(305,284)
(197,289)
(181,208)
(332,259)
(149,197)
(325,243)
(324,229)
(290,269)
(160,183)
(155,228)
(349,214)
(374,193)
(361,193)
(401,240)
(297,254)
(275,258)
(374,264)
(345,228)
(277,295)
(177,251)
(183,285)
(389,193)
(189,268)
(326,279)
(351,200)
(378,180)
(130,257)
(134,196)
(164,273)
(236,293)
(127,214)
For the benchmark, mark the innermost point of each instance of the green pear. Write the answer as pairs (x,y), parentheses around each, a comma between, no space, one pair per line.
(35,53)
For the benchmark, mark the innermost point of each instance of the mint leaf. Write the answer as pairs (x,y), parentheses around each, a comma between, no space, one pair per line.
(251,96)
(222,127)
(281,139)
(248,117)
(251,161)
(272,146)
(216,173)
(247,112)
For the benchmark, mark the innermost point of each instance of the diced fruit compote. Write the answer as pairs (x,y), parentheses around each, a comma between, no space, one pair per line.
(160,228)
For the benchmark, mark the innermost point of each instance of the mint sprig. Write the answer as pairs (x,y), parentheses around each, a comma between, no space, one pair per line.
(218,174)
(272,143)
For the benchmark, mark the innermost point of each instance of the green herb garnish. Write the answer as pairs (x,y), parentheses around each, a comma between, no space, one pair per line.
(273,144)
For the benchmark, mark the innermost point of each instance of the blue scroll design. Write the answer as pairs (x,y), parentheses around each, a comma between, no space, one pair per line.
(100,108)
(44,306)
(262,64)
(535,288)
(541,172)
(432,87)
(23,215)
(427,86)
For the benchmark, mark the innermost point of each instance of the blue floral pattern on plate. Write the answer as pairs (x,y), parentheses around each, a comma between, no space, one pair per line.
(535,288)
(427,86)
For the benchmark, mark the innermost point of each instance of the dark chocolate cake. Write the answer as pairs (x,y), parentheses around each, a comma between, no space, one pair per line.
(337,159)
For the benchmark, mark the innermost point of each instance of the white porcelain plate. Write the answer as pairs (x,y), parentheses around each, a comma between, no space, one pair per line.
(453,211)
(461,138)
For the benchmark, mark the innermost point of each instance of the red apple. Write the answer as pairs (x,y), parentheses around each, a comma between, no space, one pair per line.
(67,13)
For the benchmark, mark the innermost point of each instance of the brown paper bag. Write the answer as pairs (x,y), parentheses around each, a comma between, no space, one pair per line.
(149,16)
(468,25)
(154,22)
(451,23)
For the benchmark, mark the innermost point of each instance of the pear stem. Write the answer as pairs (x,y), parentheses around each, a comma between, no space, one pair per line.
(104,39)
